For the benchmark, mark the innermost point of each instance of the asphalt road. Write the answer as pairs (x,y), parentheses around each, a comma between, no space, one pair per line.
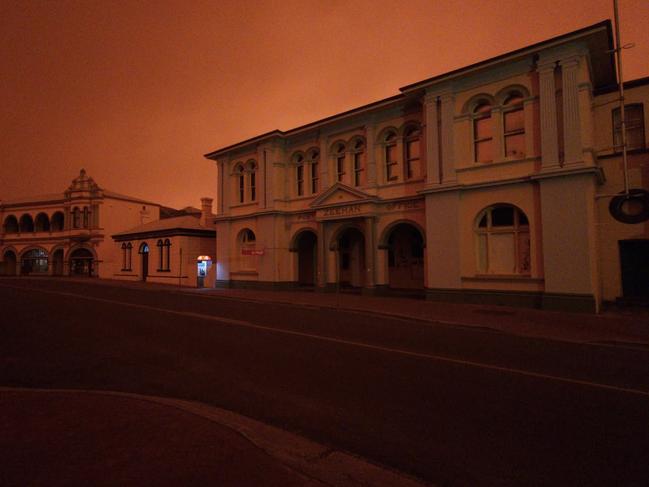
(454,406)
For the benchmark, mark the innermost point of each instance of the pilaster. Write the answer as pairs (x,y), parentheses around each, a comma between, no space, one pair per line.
(571,115)
(432,140)
(370,152)
(370,251)
(448,153)
(325,162)
(548,108)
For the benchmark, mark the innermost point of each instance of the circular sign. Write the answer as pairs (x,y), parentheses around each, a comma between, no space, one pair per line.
(631,208)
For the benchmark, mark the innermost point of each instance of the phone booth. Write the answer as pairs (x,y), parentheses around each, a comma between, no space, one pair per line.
(203,263)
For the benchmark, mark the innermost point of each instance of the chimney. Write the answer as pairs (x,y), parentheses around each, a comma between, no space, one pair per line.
(206,212)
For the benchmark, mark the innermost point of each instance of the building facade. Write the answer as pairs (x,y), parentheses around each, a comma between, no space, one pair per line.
(177,250)
(489,184)
(67,233)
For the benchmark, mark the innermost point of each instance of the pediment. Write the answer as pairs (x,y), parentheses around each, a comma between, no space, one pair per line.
(340,193)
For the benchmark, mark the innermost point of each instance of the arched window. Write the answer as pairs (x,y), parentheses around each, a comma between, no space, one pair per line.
(167,261)
(86,217)
(390,151)
(57,223)
(340,162)
(412,144)
(314,160)
(247,242)
(503,241)
(251,169)
(42,223)
(124,257)
(241,181)
(76,217)
(483,133)
(26,223)
(299,174)
(129,260)
(160,254)
(514,126)
(358,158)
(11,224)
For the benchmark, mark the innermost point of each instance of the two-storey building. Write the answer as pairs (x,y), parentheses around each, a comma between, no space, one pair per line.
(68,233)
(490,183)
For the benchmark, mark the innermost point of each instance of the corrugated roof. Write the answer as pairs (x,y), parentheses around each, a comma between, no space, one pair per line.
(187,222)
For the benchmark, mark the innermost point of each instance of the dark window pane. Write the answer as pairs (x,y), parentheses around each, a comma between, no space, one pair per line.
(502,216)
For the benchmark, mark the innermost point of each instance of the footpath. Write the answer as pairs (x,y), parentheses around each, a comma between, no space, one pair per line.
(71,437)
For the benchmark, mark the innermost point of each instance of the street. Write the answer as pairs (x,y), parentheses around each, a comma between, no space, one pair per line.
(451,405)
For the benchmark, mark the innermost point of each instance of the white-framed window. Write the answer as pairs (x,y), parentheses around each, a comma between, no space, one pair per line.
(251,170)
(514,126)
(241,183)
(314,162)
(503,241)
(247,245)
(412,149)
(358,159)
(483,147)
(634,121)
(340,162)
(299,174)
(390,156)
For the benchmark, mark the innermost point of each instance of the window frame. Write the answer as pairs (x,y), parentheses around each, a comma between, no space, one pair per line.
(411,135)
(509,108)
(478,114)
(617,129)
(390,164)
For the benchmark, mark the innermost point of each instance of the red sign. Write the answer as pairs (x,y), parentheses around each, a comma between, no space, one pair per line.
(252,252)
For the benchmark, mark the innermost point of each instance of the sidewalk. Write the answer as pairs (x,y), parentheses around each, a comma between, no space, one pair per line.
(65,437)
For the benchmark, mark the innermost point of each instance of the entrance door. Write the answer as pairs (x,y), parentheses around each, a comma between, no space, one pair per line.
(406,258)
(144,253)
(351,245)
(10,263)
(81,263)
(634,263)
(306,258)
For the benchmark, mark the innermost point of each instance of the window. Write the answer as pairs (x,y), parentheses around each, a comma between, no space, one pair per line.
(242,182)
(634,121)
(163,254)
(412,159)
(340,162)
(299,174)
(251,168)
(483,133)
(314,160)
(247,241)
(390,142)
(11,224)
(86,217)
(359,166)
(76,217)
(126,256)
(503,241)
(514,126)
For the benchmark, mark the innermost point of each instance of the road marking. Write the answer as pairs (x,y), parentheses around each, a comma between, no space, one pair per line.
(438,358)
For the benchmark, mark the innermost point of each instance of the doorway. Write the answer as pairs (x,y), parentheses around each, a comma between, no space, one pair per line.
(307,258)
(144,254)
(351,258)
(634,264)
(81,263)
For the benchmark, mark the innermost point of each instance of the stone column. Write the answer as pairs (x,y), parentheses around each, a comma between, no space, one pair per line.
(571,118)
(548,107)
(260,177)
(432,140)
(370,153)
(448,161)
(370,252)
(321,276)
(224,184)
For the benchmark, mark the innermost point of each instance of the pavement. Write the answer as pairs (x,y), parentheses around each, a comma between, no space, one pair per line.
(72,437)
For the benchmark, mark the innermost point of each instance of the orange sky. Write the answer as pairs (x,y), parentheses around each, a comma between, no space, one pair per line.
(137,92)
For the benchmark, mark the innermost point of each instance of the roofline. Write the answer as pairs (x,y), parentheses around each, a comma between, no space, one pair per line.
(515,53)
(165,232)
(419,84)
(634,83)
(310,125)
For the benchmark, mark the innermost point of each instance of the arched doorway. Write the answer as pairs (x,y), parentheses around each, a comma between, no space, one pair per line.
(351,258)
(81,262)
(9,263)
(57,262)
(33,262)
(307,243)
(406,257)
(144,259)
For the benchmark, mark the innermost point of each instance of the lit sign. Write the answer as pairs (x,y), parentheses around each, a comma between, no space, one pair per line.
(252,251)
(202,258)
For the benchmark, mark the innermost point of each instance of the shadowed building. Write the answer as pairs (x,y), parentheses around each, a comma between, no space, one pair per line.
(175,250)
(485,184)
(65,233)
